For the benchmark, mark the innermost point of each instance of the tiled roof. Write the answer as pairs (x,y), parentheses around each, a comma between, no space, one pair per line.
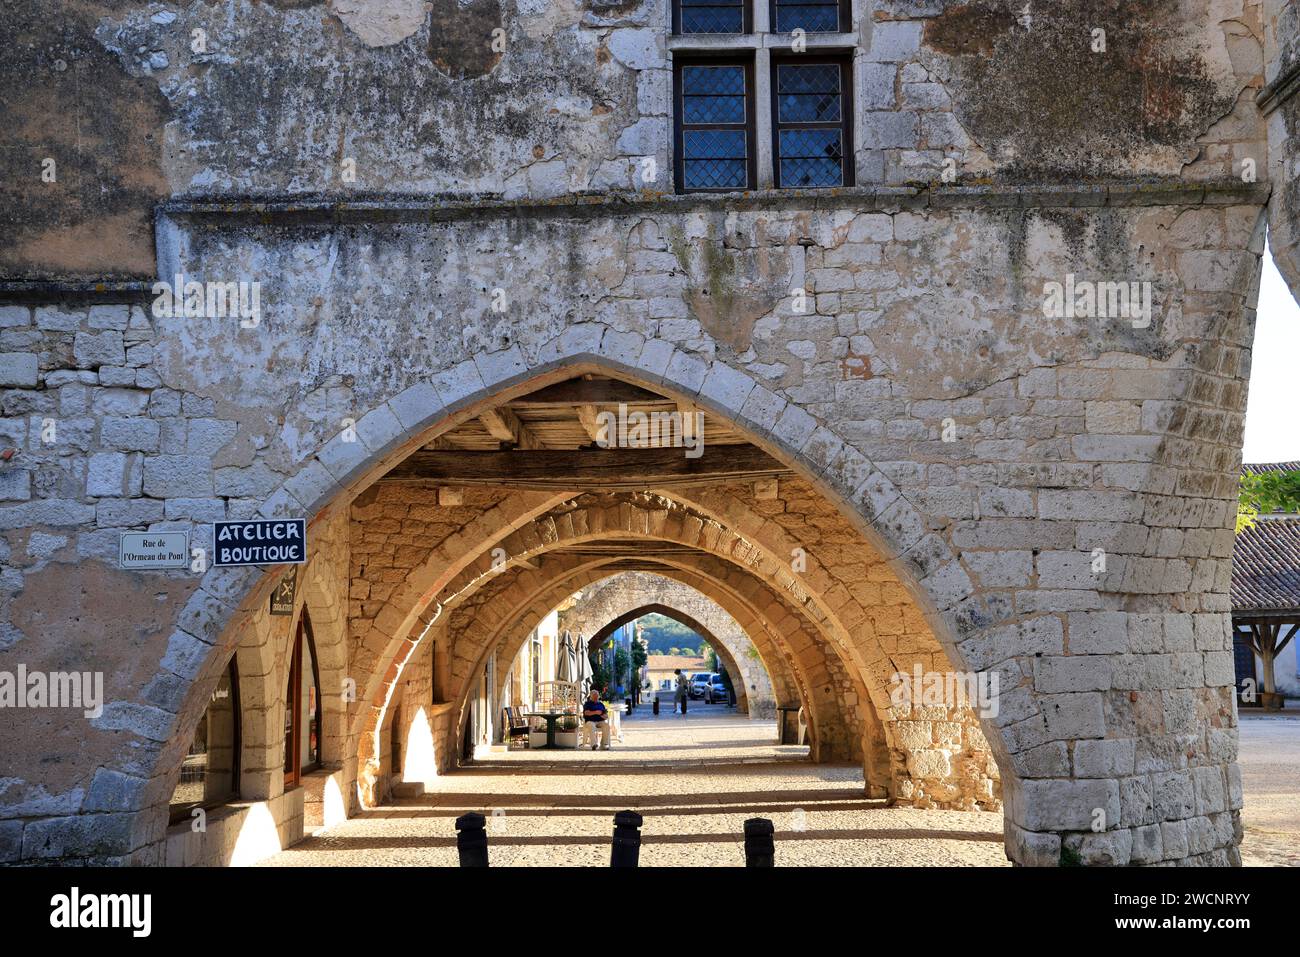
(1266,566)
(669,662)
(1260,468)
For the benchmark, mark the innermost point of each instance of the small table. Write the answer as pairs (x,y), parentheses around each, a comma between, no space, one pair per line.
(551,718)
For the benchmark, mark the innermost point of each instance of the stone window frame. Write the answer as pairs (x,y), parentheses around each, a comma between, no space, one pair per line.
(762,44)
(846,125)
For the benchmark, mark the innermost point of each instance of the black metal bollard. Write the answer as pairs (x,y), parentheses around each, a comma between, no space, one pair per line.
(655,706)
(626,849)
(759,846)
(471,840)
(630,705)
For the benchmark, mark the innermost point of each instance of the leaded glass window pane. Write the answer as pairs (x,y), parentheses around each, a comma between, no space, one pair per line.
(712,16)
(812,124)
(810,17)
(715,116)
(714,159)
(808,93)
(811,158)
(713,94)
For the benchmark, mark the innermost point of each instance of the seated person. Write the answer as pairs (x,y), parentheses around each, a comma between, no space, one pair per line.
(595,719)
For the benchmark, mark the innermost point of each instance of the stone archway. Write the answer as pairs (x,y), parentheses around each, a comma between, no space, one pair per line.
(528,601)
(923,560)
(629,595)
(925,768)
(720,647)
(742,597)
(494,611)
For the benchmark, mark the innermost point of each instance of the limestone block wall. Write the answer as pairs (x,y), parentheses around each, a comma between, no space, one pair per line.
(393,529)
(549,99)
(426,725)
(415,762)
(240,834)
(1280,109)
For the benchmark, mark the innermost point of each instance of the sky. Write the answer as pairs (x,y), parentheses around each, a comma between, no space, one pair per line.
(1273,401)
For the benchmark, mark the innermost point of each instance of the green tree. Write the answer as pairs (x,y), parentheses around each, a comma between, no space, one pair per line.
(662,633)
(1269,492)
(638,662)
(622,662)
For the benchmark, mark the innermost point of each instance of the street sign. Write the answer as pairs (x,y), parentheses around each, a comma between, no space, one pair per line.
(283,593)
(153,550)
(268,541)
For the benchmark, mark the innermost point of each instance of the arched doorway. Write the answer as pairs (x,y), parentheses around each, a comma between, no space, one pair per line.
(303,727)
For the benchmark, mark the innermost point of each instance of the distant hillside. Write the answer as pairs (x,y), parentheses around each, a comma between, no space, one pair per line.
(662,634)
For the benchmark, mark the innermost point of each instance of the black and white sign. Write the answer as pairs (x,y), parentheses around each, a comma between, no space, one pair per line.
(153,550)
(272,541)
(282,595)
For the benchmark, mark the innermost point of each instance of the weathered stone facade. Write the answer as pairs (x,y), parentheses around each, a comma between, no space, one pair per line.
(978,485)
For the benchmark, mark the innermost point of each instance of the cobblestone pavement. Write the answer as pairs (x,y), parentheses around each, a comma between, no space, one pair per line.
(694,779)
(1270,775)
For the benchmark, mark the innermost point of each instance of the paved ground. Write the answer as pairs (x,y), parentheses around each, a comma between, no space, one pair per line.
(1270,775)
(695,780)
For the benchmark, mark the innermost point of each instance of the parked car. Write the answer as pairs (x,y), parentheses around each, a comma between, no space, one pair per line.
(716,690)
(699,681)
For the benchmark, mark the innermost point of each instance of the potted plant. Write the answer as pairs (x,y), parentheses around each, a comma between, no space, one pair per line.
(537,733)
(566,732)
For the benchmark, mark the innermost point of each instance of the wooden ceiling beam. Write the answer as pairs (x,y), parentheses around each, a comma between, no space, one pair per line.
(589,392)
(612,469)
(504,426)
(587,417)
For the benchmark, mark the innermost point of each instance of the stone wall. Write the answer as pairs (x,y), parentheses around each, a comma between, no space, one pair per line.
(547,99)
(1069,435)
(1045,496)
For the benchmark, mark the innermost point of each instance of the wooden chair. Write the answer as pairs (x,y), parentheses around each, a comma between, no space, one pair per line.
(516,726)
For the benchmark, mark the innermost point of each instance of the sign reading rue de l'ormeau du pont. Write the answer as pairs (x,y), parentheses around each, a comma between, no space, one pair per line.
(260,542)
